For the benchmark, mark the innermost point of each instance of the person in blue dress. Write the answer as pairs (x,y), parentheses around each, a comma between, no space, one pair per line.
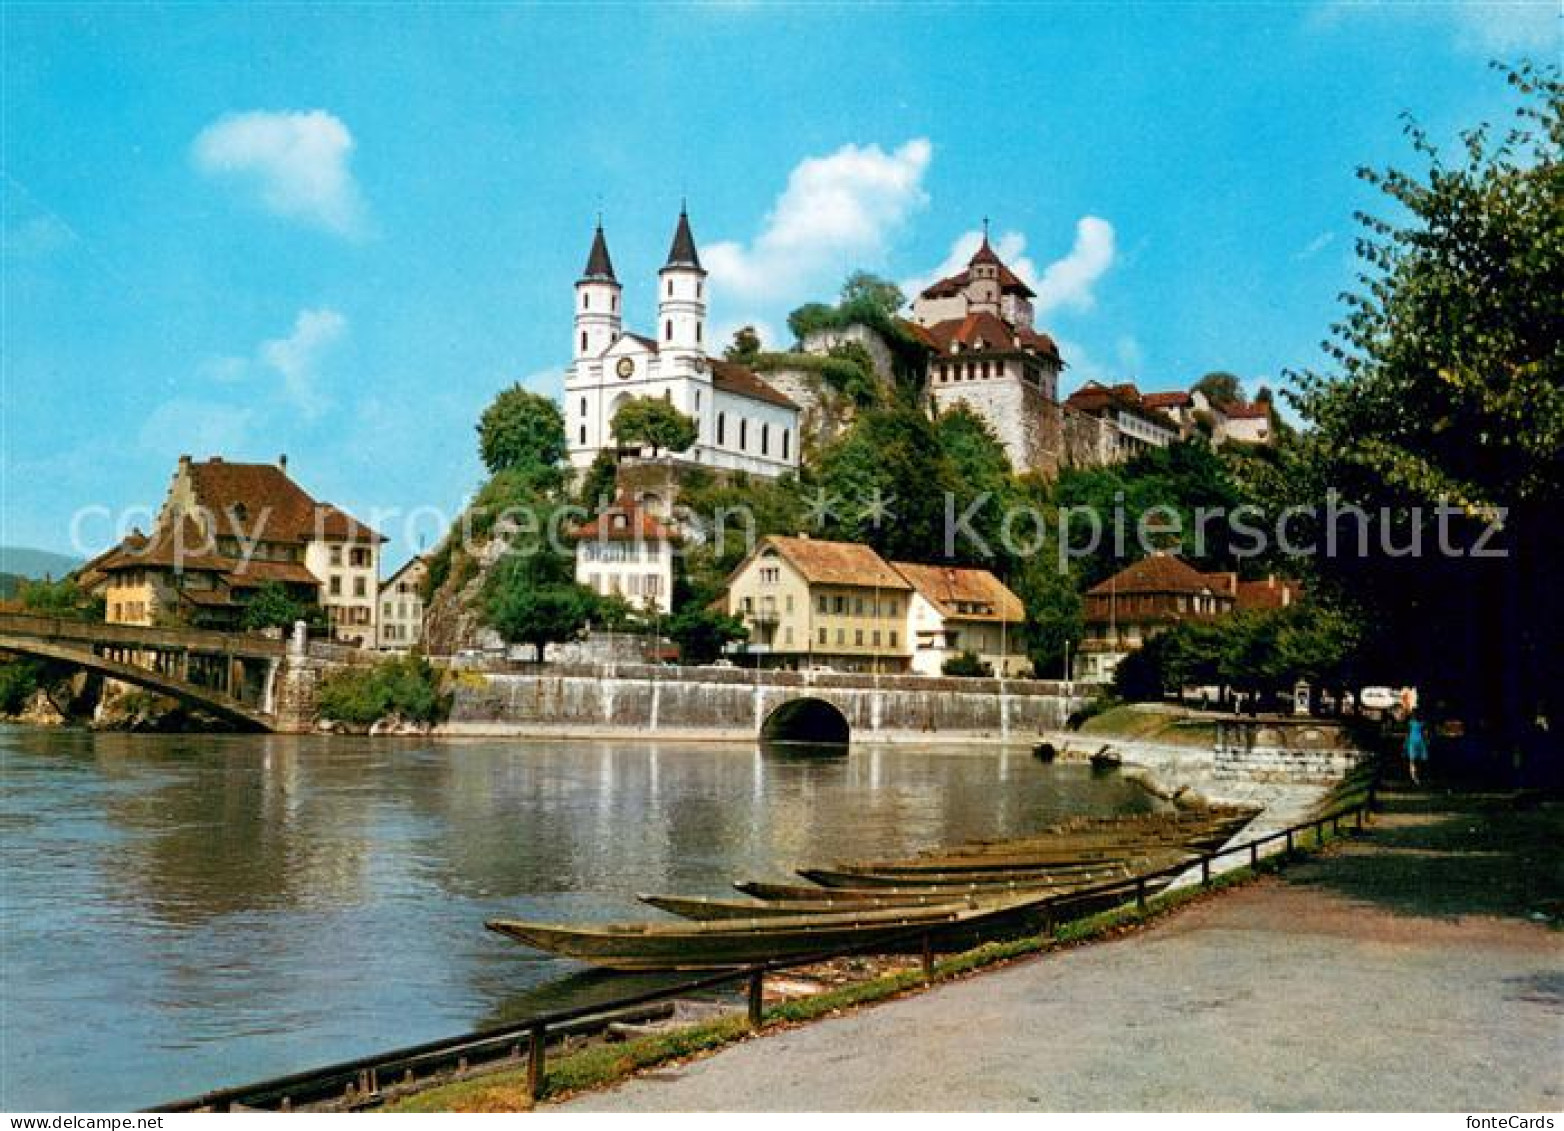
(1417,748)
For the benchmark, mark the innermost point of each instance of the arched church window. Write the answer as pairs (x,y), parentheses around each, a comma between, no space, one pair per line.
(765,439)
(722,428)
(697,333)
(583,341)
(668,330)
(784,443)
(743,434)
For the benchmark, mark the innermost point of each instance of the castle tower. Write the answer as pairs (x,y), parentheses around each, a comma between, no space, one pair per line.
(598,302)
(984,291)
(681,294)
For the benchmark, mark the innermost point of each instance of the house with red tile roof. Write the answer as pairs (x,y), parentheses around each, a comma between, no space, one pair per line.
(227,529)
(625,551)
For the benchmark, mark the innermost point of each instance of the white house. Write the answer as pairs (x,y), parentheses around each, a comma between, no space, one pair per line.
(743,423)
(625,552)
(955,610)
(402,606)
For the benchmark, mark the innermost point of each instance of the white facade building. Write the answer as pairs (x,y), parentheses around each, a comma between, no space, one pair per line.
(402,606)
(743,424)
(625,552)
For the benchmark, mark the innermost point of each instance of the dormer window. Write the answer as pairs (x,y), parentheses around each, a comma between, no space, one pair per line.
(620,522)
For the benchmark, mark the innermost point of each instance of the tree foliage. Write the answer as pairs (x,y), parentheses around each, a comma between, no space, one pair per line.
(1221,389)
(654,423)
(406,687)
(1448,387)
(744,347)
(521,429)
(531,597)
(273,607)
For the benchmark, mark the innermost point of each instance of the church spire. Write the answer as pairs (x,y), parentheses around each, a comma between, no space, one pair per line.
(599,267)
(682,253)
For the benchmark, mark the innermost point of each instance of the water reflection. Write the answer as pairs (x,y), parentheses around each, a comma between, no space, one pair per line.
(186,911)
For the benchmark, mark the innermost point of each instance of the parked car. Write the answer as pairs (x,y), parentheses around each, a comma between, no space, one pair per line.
(1377,698)
(722,664)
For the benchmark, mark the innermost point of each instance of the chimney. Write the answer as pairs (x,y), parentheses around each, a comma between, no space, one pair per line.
(184,460)
(282,461)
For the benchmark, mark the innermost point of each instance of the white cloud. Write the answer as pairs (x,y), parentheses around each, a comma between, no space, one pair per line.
(1483,27)
(196,426)
(297,162)
(1318,244)
(297,357)
(1064,284)
(837,212)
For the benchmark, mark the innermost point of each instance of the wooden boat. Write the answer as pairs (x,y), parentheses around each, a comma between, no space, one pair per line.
(699,946)
(980,864)
(912,876)
(709,909)
(740,942)
(794,893)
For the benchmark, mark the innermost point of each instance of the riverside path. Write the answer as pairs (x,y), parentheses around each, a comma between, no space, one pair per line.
(1418,969)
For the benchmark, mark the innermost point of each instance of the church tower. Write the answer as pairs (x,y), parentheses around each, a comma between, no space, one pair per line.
(598,302)
(681,294)
(983,291)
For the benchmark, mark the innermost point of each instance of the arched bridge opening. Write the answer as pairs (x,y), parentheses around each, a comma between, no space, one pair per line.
(813,721)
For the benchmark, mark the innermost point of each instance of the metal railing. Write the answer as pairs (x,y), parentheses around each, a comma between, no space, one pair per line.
(145,636)
(365,1080)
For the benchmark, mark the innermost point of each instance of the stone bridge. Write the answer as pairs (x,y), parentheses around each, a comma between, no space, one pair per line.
(732,703)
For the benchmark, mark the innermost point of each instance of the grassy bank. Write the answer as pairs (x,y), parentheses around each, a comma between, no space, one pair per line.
(1144,723)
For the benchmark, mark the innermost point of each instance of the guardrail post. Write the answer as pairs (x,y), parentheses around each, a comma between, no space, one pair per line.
(1140,893)
(928,957)
(757,987)
(535,1055)
(1319,834)
(1289,842)
(1205,871)
(1254,854)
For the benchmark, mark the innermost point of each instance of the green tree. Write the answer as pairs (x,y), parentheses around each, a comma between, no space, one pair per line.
(702,632)
(1447,389)
(654,423)
(744,347)
(273,607)
(1221,389)
(810,317)
(531,597)
(63,598)
(402,686)
(600,483)
(869,295)
(521,429)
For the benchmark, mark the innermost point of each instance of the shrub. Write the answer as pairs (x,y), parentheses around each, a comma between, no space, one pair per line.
(967,664)
(407,686)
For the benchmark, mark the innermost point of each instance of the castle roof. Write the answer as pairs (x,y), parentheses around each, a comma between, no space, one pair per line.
(984,254)
(682,253)
(599,268)
(984,331)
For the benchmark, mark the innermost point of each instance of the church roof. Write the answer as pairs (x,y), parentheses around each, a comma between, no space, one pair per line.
(730,377)
(625,521)
(599,267)
(683,253)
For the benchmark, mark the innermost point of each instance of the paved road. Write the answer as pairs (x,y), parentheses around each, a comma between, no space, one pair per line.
(1406,973)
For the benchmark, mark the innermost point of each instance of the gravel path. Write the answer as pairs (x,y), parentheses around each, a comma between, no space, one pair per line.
(1406,972)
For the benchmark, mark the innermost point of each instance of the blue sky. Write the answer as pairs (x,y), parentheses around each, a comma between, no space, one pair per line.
(336,232)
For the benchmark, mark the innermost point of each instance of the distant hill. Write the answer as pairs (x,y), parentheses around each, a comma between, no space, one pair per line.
(26,562)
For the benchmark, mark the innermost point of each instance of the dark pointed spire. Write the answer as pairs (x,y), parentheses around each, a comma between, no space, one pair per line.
(984,253)
(599,268)
(682,253)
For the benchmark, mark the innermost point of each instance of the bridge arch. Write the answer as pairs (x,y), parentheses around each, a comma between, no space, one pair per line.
(807,720)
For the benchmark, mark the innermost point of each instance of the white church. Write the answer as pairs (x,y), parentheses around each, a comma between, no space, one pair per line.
(744,424)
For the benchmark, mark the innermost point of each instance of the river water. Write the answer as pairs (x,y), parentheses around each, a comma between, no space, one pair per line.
(183,912)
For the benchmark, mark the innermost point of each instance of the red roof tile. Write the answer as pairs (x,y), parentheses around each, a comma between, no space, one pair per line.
(949,588)
(1271,593)
(257,501)
(1157,573)
(730,377)
(625,521)
(989,332)
(836,563)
